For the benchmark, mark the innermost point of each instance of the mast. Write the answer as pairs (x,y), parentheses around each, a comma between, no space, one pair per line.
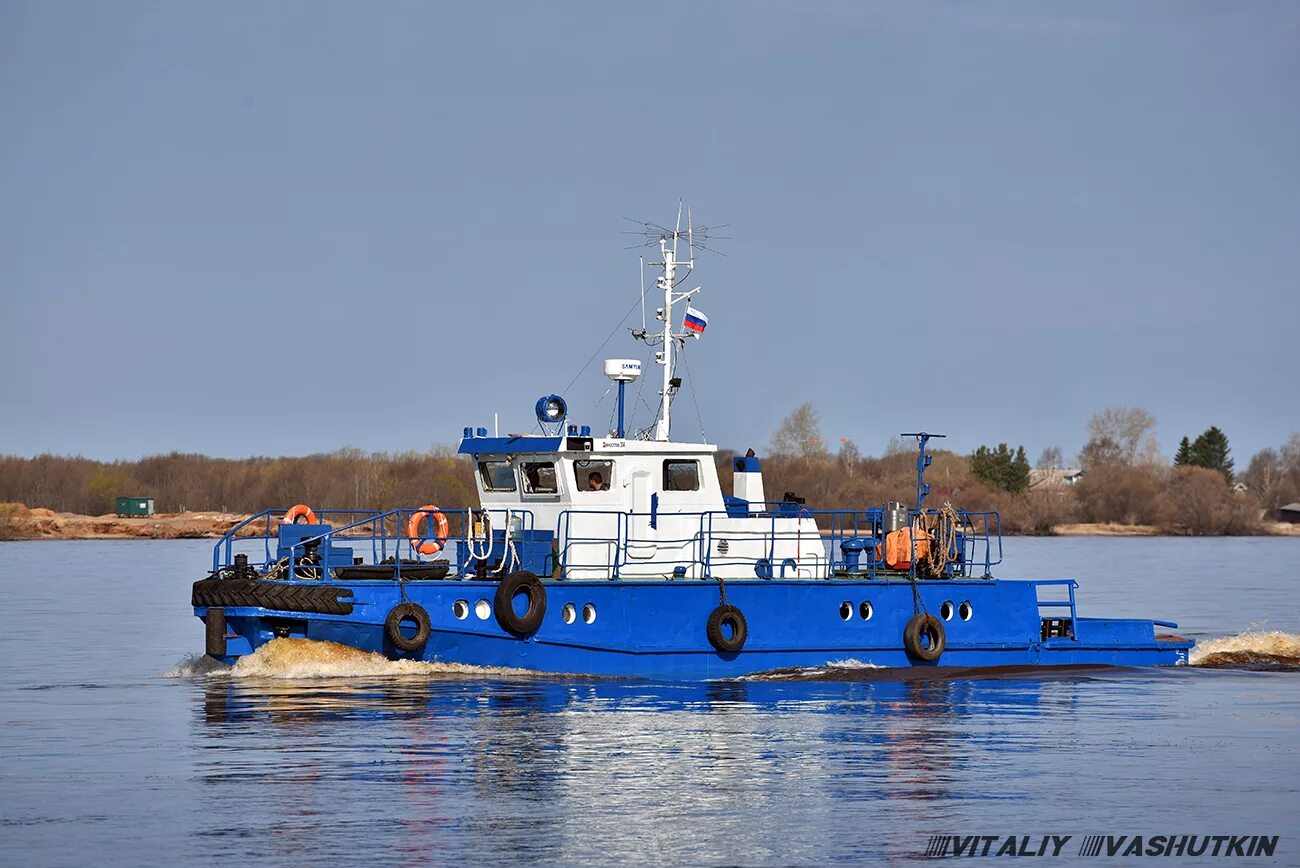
(665,356)
(667,282)
(669,340)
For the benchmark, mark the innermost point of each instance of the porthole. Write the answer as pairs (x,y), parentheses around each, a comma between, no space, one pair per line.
(846,610)
(569,613)
(483,609)
(460,609)
(964,611)
(588,613)
(865,611)
(945,611)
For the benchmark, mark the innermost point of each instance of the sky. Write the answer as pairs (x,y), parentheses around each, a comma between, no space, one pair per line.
(282,228)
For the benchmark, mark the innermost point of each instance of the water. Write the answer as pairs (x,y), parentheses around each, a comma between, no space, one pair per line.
(119,748)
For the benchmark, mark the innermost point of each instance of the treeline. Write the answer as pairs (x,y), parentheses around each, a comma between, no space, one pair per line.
(1119,477)
(1124,479)
(345,479)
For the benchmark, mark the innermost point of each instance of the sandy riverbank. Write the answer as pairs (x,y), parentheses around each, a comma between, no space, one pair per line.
(17,522)
(1272,528)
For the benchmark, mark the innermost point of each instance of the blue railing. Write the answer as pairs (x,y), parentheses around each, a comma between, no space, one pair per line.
(385,532)
(1070,585)
(606,541)
(223,551)
(816,544)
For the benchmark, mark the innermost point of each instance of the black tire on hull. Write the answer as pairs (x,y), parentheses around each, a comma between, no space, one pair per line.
(281,597)
(920,625)
(393,627)
(214,624)
(727,615)
(504,603)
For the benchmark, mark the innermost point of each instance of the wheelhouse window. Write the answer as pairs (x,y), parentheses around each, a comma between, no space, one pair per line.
(681,475)
(593,475)
(539,477)
(497,475)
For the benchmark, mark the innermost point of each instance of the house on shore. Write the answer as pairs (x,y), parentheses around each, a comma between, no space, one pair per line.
(1056,477)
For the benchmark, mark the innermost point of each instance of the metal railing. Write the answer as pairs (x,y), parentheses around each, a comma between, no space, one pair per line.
(776,539)
(385,532)
(1069,603)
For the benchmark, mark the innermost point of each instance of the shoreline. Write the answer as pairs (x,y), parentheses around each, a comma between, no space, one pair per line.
(23,524)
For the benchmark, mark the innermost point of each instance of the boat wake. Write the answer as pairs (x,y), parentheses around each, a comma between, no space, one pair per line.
(1259,651)
(835,670)
(308,659)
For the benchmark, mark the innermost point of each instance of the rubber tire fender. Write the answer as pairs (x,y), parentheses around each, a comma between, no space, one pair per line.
(214,624)
(504,603)
(393,627)
(916,626)
(727,614)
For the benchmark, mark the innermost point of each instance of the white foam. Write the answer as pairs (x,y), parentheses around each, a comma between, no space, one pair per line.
(289,659)
(852,663)
(1272,643)
(305,658)
(194,666)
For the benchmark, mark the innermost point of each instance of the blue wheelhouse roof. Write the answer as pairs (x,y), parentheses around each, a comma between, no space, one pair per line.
(515,443)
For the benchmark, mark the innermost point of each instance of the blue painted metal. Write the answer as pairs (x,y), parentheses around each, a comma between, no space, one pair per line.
(748,464)
(656,629)
(922,461)
(737,507)
(484,445)
(853,549)
(551,413)
(621,385)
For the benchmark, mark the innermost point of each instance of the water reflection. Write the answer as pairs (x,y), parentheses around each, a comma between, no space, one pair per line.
(534,768)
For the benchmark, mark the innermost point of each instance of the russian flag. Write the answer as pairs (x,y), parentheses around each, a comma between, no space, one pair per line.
(695,321)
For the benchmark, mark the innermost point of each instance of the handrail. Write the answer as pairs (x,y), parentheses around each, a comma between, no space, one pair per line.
(387,533)
(768,538)
(1069,603)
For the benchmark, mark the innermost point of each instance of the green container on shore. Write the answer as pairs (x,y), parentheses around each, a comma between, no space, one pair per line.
(134,507)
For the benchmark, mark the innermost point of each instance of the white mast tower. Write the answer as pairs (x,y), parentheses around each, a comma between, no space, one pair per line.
(667,281)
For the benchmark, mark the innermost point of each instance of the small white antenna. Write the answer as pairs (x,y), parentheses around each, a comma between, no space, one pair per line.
(642,295)
(690,240)
(677,230)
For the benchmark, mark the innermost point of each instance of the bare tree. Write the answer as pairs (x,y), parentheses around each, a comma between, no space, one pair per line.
(898,446)
(1050,459)
(1291,454)
(1131,429)
(849,456)
(800,435)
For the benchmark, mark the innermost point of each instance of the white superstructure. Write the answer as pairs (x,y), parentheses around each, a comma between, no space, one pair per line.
(646,507)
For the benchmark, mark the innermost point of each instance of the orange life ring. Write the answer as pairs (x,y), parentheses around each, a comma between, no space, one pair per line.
(300,510)
(427,546)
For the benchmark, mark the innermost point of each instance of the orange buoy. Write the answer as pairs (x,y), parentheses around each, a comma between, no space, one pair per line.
(434,544)
(300,510)
(899,548)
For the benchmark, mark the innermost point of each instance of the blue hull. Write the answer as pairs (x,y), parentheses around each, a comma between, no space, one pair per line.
(657,629)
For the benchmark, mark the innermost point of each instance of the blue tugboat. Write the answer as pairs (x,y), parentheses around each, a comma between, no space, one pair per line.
(620,555)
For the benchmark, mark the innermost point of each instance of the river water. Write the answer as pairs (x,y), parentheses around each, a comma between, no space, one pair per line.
(121,746)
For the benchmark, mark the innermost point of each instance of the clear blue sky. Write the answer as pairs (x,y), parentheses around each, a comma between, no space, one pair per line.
(281,228)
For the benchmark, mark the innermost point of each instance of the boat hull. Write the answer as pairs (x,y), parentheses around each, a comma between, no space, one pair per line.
(657,629)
